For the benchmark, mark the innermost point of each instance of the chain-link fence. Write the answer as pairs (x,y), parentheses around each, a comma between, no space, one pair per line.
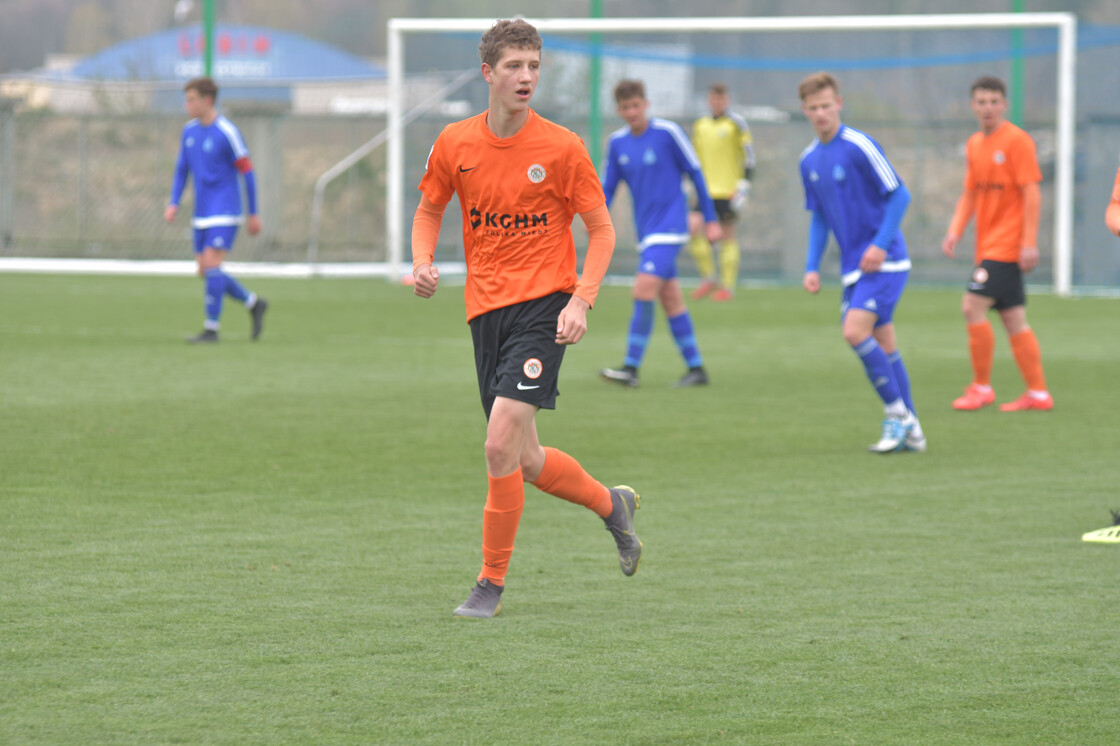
(94,186)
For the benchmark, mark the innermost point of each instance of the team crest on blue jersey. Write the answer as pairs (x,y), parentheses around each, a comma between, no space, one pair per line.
(190,141)
(536,173)
(814,176)
(623,159)
(649,157)
(838,173)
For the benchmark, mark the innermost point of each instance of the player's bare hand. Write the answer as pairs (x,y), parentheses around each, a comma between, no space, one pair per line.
(812,282)
(170,212)
(427,280)
(872,260)
(713,231)
(1028,258)
(253,225)
(571,325)
(949,245)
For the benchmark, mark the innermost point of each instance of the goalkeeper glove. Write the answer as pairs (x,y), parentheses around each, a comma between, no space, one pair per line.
(742,192)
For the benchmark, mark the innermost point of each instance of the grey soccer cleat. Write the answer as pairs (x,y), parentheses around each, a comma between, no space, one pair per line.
(257,314)
(694,377)
(208,336)
(484,602)
(624,501)
(627,375)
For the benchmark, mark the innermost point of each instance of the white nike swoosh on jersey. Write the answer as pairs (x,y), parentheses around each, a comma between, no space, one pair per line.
(523,387)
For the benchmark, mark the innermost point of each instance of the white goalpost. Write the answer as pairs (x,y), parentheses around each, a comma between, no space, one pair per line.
(1064,23)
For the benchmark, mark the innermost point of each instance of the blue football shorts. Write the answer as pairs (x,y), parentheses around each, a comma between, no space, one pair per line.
(217,237)
(877,292)
(660,260)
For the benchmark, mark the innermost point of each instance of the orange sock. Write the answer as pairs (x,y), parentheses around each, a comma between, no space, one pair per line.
(982,346)
(500,518)
(563,477)
(1024,346)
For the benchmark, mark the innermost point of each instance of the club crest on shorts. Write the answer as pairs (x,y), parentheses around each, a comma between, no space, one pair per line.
(532,368)
(536,173)
(979,276)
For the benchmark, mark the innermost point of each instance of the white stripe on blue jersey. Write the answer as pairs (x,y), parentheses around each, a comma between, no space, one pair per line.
(878,162)
(240,149)
(678,134)
(214,221)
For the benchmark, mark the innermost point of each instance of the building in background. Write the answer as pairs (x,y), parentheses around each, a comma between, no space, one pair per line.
(255,67)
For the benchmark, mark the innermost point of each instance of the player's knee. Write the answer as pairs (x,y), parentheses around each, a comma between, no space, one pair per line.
(854,337)
(501,457)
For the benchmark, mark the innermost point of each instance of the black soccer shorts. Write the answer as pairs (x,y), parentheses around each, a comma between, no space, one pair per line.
(1001,281)
(515,352)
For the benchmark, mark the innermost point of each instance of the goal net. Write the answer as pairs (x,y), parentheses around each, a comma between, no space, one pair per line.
(904,79)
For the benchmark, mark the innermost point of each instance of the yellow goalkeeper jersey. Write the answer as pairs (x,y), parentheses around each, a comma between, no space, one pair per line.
(726,150)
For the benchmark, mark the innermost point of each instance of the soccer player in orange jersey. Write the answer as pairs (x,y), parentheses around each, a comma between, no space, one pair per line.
(1112,213)
(521,180)
(1001,188)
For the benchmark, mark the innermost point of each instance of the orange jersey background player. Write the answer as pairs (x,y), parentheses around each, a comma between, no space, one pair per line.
(1001,188)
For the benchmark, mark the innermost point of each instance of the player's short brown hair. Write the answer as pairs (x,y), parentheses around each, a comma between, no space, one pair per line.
(516,33)
(720,89)
(628,89)
(988,83)
(204,86)
(816,83)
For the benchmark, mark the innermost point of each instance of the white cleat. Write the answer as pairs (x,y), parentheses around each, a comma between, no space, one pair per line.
(914,442)
(895,432)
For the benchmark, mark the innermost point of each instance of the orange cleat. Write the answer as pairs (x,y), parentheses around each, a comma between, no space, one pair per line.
(706,287)
(974,398)
(722,294)
(1027,402)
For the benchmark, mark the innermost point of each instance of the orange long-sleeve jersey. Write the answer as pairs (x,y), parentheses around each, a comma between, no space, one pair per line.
(518,196)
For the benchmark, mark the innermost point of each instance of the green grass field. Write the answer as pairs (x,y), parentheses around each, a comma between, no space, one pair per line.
(262,543)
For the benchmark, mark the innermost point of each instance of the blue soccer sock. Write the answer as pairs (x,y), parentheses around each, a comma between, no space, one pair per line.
(235,289)
(215,289)
(902,378)
(880,373)
(685,337)
(641,327)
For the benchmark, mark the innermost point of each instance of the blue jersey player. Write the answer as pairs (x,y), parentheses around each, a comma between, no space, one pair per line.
(853,191)
(213,152)
(651,155)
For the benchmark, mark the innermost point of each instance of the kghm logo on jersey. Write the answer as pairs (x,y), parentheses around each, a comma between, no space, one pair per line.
(838,173)
(532,368)
(814,176)
(536,173)
(207,145)
(649,157)
(509,224)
